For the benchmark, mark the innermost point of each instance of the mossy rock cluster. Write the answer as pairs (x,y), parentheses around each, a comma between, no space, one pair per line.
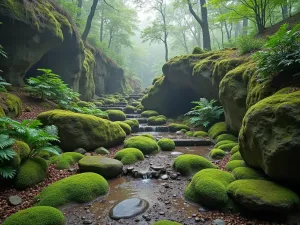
(124,126)
(78,188)
(157,120)
(116,115)
(148,135)
(198,50)
(10,104)
(65,160)
(149,113)
(145,144)
(234,149)
(189,133)
(166,144)
(174,127)
(217,153)
(129,155)
(217,129)
(77,130)
(134,124)
(38,215)
(209,188)
(189,164)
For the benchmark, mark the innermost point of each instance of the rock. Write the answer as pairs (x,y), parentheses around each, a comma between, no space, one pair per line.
(80,150)
(218,222)
(173,176)
(129,156)
(10,104)
(156,168)
(130,168)
(161,213)
(87,222)
(270,137)
(15,200)
(165,177)
(102,151)
(108,168)
(147,217)
(128,208)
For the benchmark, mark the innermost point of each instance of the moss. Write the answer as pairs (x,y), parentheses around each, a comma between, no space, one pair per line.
(134,124)
(110,101)
(2,113)
(79,188)
(166,144)
(234,149)
(157,120)
(188,164)
(236,156)
(156,79)
(116,115)
(174,127)
(124,126)
(189,134)
(200,134)
(11,105)
(198,50)
(145,144)
(183,130)
(22,149)
(77,130)
(223,143)
(85,104)
(262,195)
(149,113)
(228,147)
(230,166)
(224,137)
(65,160)
(166,222)
(245,173)
(39,215)
(129,155)
(217,153)
(217,129)
(129,109)
(148,135)
(31,172)
(209,188)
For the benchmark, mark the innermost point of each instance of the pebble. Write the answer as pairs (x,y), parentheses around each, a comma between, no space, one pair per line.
(15,200)
(173,176)
(161,213)
(87,222)
(165,177)
(218,222)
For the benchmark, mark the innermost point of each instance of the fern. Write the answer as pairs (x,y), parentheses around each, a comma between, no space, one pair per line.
(5,141)
(7,172)
(6,154)
(3,85)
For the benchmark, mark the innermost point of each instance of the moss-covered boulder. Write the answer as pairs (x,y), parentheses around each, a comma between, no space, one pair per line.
(189,164)
(157,120)
(223,143)
(116,115)
(174,127)
(11,105)
(166,222)
(189,133)
(217,129)
(230,166)
(209,188)
(270,136)
(262,195)
(38,215)
(166,144)
(145,144)
(106,167)
(247,173)
(224,137)
(235,149)
(148,135)
(77,130)
(129,109)
(65,160)
(129,155)
(198,50)
(134,124)
(236,156)
(149,113)
(200,134)
(124,126)
(217,153)
(79,188)
(31,172)
(228,147)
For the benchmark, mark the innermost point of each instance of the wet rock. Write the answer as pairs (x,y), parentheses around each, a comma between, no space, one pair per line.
(147,217)
(155,174)
(130,169)
(128,208)
(161,213)
(165,177)
(87,222)
(102,151)
(71,170)
(197,219)
(146,156)
(201,209)
(173,176)
(218,222)
(156,168)
(15,200)
(80,150)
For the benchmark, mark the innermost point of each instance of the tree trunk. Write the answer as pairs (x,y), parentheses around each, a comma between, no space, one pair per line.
(166,51)
(245,26)
(78,16)
(284,11)
(89,20)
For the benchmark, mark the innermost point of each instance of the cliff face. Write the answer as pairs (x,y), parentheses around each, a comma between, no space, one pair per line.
(51,41)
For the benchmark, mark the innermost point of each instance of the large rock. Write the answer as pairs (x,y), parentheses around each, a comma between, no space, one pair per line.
(10,104)
(108,168)
(77,130)
(270,136)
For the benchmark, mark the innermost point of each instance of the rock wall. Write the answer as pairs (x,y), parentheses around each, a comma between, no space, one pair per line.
(52,41)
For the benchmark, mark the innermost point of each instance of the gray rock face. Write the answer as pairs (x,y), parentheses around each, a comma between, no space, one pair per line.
(128,208)
(15,200)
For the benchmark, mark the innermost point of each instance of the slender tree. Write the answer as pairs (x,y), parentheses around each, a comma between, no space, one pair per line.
(89,20)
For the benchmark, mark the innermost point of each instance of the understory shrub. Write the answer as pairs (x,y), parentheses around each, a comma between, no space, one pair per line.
(248,43)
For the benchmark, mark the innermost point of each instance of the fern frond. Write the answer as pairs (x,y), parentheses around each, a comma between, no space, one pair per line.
(5,141)
(7,154)
(7,172)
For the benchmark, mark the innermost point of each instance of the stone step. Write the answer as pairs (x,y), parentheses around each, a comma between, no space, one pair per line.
(141,120)
(192,142)
(153,129)
(131,116)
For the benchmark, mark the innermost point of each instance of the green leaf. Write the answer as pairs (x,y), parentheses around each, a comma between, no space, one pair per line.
(7,172)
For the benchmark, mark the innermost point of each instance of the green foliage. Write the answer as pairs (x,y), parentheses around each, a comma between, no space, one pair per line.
(204,113)
(6,154)
(248,43)
(281,53)
(50,86)
(3,84)
(166,144)
(129,155)
(89,110)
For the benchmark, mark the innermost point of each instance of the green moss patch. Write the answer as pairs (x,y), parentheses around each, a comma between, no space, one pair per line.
(245,173)
(129,109)
(124,126)
(217,129)
(145,144)
(148,135)
(116,115)
(166,144)
(224,137)
(200,134)
(134,124)
(230,166)
(236,156)
(189,133)
(223,143)
(235,149)
(217,153)
(149,113)
(65,160)
(174,127)
(11,105)
(129,155)
(188,164)
(228,147)
(157,120)
(166,222)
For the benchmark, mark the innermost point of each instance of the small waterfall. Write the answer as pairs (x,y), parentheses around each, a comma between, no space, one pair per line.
(154,129)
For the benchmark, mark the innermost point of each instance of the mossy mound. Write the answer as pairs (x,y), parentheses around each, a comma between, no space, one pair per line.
(157,120)
(166,144)
(149,113)
(262,195)
(230,166)
(223,143)
(166,222)
(77,130)
(110,101)
(11,105)
(235,149)
(116,115)
(188,164)
(129,155)
(124,126)
(224,137)
(174,127)
(217,153)
(145,144)
(148,135)
(79,188)
(106,167)
(134,124)
(228,147)
(189,133)
(198,50)
(22,151)
(2,113)
(129,109)
(236,156)
(209,188)
(31,172)
(38,215)
(247,173)
(65,160)
(183,131)
(200,134)
(85,104)
(217,129)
